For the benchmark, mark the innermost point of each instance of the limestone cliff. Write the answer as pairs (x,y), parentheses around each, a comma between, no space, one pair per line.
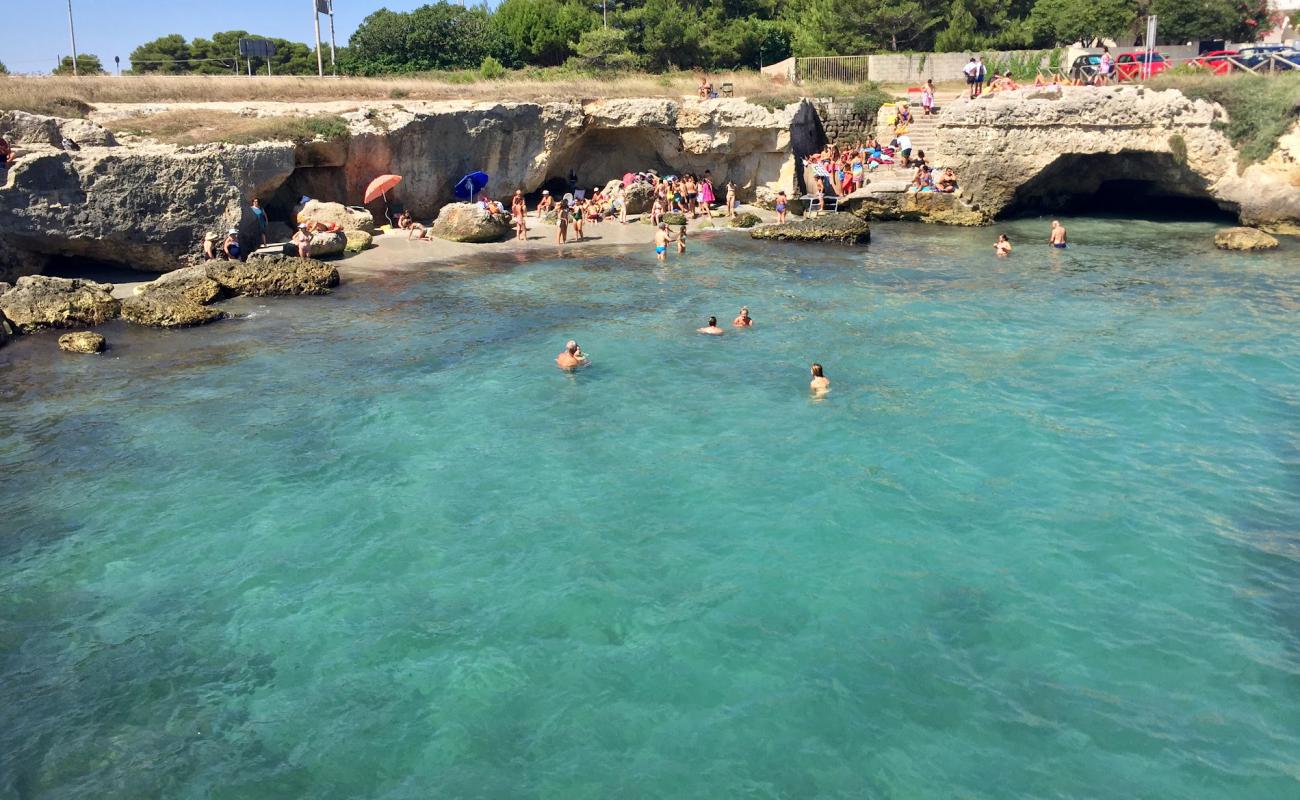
(1044,147)
(146,205)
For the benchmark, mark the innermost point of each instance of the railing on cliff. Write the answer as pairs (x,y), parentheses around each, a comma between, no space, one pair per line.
(849,69)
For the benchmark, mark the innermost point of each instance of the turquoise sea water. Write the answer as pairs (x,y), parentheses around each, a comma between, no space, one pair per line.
(1040,539)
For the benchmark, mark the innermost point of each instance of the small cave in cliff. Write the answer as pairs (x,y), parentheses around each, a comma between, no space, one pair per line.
(599,156)
(1129,184)
(327,183)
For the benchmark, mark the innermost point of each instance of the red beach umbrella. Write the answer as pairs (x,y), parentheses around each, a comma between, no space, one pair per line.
(380,186)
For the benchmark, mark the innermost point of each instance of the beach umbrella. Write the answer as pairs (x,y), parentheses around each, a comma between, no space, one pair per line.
(471,185)
(380,186)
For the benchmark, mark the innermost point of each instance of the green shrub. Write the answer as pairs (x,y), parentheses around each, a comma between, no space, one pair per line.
(491,69)
(1178,148)
(1260,108)
(867,103)
(770,102)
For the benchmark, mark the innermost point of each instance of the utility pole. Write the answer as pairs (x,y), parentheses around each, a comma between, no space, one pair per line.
(72,34)
(334,64)
(315,18)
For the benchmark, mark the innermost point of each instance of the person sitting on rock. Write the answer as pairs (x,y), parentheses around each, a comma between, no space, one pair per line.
(6,154)
(302,240)
(231,245)
(210,247)
(546,204)
(946,182)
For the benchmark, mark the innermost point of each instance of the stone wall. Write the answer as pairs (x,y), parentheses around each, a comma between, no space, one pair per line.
(841,124)
(917,67)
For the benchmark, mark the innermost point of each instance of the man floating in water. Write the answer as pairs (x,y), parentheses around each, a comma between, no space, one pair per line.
(572,357)
(743,320)
(1058,234)
(712,328)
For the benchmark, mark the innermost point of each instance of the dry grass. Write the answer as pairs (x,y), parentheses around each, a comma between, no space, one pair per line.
(188,128)
(36,94)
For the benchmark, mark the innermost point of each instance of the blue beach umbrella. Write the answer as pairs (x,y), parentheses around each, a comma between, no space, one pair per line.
(471,185)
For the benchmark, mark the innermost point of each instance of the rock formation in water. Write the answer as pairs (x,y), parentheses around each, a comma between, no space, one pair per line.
(37,302)
(81,342)
(1244,239)
(831,227)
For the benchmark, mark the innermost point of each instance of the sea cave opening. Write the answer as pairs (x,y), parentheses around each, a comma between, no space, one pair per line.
(1135,185)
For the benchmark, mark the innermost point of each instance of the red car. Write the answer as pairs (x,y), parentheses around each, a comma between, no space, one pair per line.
(1133,66)
(1216,61)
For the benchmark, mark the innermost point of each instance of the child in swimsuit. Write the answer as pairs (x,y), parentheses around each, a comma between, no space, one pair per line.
(681,239)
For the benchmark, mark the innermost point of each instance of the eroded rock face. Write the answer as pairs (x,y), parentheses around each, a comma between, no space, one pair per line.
(831,227)
(1010,147)
(745,220)
(468,222)
(165,310)
(1244,239)
(36,302)
(358,241)
(81,342)
(940,208)
(274,275)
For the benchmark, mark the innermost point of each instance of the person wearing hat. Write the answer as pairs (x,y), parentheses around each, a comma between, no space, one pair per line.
(546,204)
(302,239)
(231,245)
(210,246)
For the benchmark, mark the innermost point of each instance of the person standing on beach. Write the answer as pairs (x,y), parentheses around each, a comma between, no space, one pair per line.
(545,204)
(1058,237)
(562,224)
(981,75)
(781,203)
(731,199)
(519,210)
(661,241)
(579,212)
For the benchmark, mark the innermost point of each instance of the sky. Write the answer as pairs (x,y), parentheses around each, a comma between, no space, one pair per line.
(35,32)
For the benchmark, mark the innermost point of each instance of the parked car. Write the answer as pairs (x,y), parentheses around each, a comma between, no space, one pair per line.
(1269,56)
(1085,68)
(1130,66)
(1216,61)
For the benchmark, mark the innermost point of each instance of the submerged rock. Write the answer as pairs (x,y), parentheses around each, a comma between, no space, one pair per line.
(81,342)
(274,275)
(832,227)
(941,208)
(39,301)
(167,310)
(745,220)
(468,222)
(1244,239)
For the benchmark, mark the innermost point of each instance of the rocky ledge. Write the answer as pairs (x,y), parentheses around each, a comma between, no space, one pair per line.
(177,299)
(81,342)
(832,227)
(1244,239)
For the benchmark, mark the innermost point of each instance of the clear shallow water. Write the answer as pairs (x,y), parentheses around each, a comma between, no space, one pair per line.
(1040,540)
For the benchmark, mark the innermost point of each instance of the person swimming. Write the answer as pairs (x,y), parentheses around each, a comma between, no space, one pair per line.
(1058,237)
(820,383)
(1003,245)
(712,328)
(572,357)
(743,319)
